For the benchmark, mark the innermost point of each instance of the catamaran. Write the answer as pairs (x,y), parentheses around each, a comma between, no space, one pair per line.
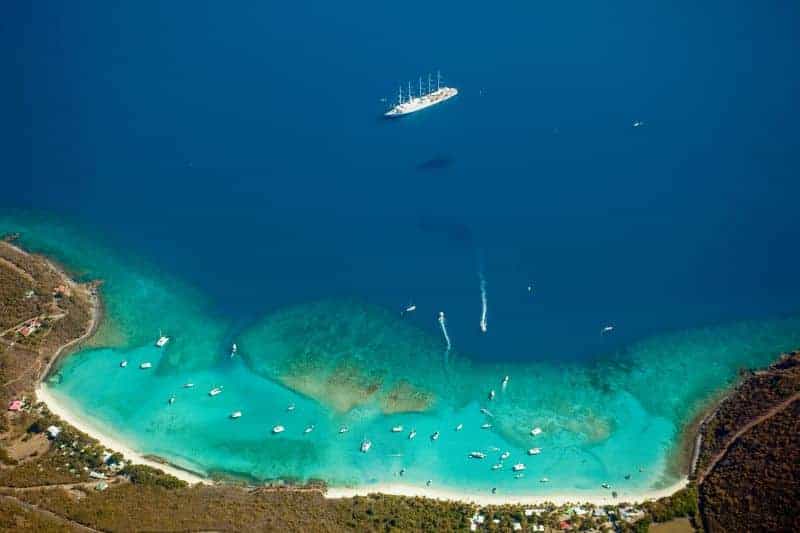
(412,104)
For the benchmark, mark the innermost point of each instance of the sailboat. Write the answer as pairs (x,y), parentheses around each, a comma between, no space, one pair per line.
(412,104)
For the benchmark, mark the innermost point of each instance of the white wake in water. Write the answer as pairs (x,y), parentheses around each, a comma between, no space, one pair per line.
(484,304)
(443,324)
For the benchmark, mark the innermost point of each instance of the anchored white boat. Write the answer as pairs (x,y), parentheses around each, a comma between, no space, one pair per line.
(491,395)
(519,467)
(123,364)
(505,455)
(459,427)
(162,340)
(536,431)
(497,466)
(290,407)
(435,435)
(412,434)
(233,349)
(423,100)
(397,429)
(278,429)
(171,399)
(486,425)
(477,455)
(215,391)
(145,366)
(366,444)
(534,451)
(188,385)
(343,429)
(236,414)
(309,429)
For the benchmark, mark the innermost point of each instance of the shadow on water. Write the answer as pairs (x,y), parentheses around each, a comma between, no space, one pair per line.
(437,162)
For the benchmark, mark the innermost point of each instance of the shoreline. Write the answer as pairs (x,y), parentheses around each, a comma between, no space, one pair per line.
(558,498)
(90,428)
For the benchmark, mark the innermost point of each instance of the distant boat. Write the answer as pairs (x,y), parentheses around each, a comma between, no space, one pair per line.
(505,383)
(435,435)
(491,395)
(412,104)
(607,329)
(309,429)
(290,407)
(123,364)
(343,429)
(536,431)
(497,466)
(605,486)
(410,308)
(486,425)
(638,123)
(544,480)
(278,429)
(459,427)
(485,411)
(145,366)
(236,414)
(505,455)
(162,340)
(477,455)
(534,451)
(397,429)
(366,444)
(171,400)
(215,391)
(188,385)
(412,434)
(233,349)
(519,476)
(519,467)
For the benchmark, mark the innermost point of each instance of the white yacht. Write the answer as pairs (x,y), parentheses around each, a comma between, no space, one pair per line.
(497,466)
(544,480)
(233,349)
(215,391)
(278,429)
(485,411)
(309,429)
(491,395)
(435,435)
(477,455)
(343,429)
(486,425)
(519,476)
(290,407)
(534,451)
(188,385)
(519,467)
(607,329)
(236,414)
(162,341)
(536,431)
(505,382)
(459,427)
(366,444)
(505,455)
(146,365)
(123,364)
(412,104)
(171,399)
(397,429)
(412,434)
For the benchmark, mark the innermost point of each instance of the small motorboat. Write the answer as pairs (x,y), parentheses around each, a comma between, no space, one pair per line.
(607,329)
(491,395)
(162,341)
(486,425)
(215,391)
(278,429)
(534,451)
(505,455)
(290,407)
(459,427)
(366,444)
(519,467)
(505,382)
(519,476)
(485,411)
(606,486)
(343,429)
(309,429)
(536,431)
(477,455)
(123,364)
(171,399)
(412,434)
(497,466)
(145,366)
(397,429)
(544,480)
(236,414)
(188,385)
(435,435)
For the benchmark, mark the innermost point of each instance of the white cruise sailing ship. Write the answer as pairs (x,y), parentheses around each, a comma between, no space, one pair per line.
(411,104)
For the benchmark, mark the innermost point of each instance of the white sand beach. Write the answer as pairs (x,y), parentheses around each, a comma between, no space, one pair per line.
(87,426)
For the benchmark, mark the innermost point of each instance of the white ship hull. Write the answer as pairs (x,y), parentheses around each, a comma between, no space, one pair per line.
(422,102)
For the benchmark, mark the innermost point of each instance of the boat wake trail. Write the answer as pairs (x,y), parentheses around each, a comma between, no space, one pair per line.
(443,325)
(484,303)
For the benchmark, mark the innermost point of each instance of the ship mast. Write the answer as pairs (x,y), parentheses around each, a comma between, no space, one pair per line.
(409,91)
(420,86)
(429,83)
(438,79)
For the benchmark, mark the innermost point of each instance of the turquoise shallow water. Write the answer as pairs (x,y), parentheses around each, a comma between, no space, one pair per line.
(343,362)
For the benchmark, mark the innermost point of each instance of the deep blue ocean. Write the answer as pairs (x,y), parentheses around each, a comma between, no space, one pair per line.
(241,149)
